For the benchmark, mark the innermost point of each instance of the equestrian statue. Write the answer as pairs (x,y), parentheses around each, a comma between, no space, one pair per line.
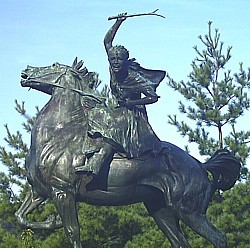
(85,151)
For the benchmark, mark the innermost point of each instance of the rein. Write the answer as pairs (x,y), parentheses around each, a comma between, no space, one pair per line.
(82,93)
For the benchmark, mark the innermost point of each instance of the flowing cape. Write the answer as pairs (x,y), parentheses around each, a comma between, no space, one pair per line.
(140,79)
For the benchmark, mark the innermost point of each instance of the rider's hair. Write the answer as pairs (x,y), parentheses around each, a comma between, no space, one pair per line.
(119,48)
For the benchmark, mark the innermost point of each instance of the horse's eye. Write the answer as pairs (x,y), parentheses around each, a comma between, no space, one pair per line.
(55,64)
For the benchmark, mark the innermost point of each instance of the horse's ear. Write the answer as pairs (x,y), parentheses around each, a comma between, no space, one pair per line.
(74,63)
(79,65)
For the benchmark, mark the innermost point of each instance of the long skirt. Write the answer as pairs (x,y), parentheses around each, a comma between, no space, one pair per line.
(127,130)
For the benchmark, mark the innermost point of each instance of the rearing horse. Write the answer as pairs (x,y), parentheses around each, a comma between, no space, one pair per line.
(173,186)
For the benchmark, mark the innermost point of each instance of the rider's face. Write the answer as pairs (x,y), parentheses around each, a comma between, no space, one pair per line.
(117,61)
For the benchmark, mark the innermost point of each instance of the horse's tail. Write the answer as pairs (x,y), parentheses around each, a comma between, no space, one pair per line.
(225,169)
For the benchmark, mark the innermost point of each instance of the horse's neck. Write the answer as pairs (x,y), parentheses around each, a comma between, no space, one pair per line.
(64,106)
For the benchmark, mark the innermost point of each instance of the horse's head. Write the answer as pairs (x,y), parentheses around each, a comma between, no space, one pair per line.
(75,78)
(46,78)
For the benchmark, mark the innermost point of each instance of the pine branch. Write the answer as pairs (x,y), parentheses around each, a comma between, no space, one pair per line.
(212,101)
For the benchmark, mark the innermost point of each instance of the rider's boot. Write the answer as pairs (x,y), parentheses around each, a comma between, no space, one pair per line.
(97,161)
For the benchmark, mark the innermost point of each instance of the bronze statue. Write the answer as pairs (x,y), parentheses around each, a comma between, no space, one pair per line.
(75,125)
(173,185)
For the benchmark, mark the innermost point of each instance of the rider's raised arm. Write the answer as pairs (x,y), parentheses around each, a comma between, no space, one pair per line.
(109,37)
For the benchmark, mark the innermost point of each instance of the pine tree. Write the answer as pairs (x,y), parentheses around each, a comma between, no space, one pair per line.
(12,179)
(214,100)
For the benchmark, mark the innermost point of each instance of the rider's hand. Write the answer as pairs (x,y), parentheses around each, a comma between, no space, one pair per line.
(121,103)
(122,17)
(129,104)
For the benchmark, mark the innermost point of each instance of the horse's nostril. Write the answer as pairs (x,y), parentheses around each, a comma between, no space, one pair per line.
(24,75)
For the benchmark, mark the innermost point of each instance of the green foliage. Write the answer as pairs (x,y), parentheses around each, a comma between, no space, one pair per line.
(13,156)
(232,215)
(27,238)
(214,100)
(109,226)
(8,239)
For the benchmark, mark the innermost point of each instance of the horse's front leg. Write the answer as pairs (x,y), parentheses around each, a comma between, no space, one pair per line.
(66,206)
(31,201)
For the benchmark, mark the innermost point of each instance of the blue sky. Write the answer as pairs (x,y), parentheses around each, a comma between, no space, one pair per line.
(39,33)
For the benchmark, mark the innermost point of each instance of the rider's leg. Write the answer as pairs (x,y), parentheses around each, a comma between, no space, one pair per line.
(97,161)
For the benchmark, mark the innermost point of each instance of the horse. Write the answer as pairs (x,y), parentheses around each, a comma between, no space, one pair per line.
(173,185)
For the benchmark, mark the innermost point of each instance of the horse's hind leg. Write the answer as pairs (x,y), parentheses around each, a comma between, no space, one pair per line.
(200,224)
(168,224)
(31,202)
(66,206)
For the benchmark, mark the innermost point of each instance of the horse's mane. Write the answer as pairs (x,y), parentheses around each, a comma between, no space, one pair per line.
(88,77)
(79,68)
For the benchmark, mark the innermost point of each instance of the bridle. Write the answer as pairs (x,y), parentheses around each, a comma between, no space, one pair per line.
(80,92)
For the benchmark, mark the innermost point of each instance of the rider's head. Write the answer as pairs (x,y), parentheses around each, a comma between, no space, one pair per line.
(118,57)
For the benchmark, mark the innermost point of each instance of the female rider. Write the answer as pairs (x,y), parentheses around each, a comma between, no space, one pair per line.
(126,128)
